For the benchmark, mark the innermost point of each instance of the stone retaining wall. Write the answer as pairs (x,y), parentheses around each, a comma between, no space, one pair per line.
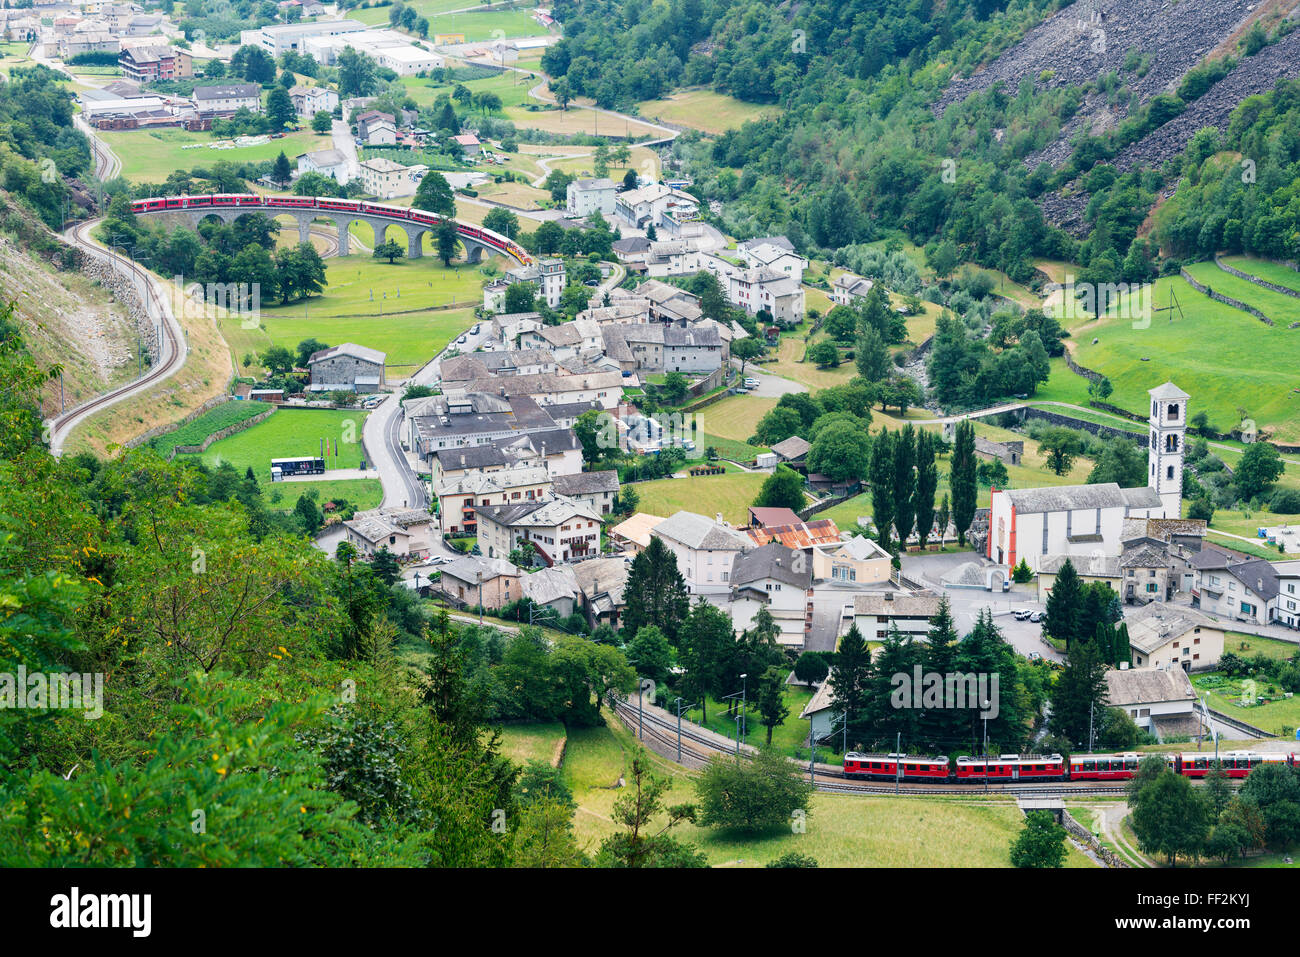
(123,287)
(1077,830)
(220,434)
(1226,300)
(1233,271)
(1059,418)
(153,433)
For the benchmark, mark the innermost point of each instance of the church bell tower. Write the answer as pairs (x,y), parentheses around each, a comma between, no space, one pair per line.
(1167,446)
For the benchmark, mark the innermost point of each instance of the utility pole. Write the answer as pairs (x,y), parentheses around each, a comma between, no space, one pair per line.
(1090,727)
(679,730)
(898,760)
(639,692)
(480,598)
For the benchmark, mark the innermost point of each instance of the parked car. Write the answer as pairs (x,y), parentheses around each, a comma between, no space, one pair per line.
(460,341)
(1037,616)
(1034,656)
(1021,614)
(751,382)
(592,283)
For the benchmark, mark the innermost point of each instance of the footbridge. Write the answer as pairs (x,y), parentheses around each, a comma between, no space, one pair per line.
(307,210)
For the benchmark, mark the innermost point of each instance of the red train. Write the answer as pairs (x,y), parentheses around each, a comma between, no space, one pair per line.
(1048,767)
(329,204)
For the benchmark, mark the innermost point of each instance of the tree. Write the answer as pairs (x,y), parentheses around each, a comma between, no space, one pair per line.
(280,111)
(793,859)
(904,484)
(448,241)
(1079,698)
(1022,574)
(520,297)
(543,836)
(771,699)
(562,92)
(1261,465)
(385,567)
(281,172)
(927,484)
(782,489)
(1064,605)
(502,221)
(942,517)
(434,194)
(811,667)
(961,479)
(707,647)
(841,451)
(1170,817)
(1059,446)
(824,354)
(655,592)
(321,122)
(389,250)
(650,654)
(882,485)
(746,349)
(278,360)
(636,845)
(1041,842)
(872,356)
(752,795)
(850,678)
(357,74)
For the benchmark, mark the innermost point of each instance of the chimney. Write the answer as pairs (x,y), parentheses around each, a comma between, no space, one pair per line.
(889,596)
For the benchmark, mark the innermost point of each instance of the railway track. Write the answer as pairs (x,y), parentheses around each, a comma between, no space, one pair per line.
(697,750)
(172,349)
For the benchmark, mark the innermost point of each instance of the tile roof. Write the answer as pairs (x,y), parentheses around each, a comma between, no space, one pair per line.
(771,561)
(1139,686)
(1153,625)
(897,604)
(1075,497)
(700,532)
(586,483)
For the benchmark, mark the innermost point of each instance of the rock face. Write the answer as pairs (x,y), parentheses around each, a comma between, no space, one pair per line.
(125,291)
(1093,37)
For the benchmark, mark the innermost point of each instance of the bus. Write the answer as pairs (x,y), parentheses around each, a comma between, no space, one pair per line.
(309,465)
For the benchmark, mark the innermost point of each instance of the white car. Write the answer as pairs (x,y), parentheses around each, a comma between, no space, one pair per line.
(439,560)
(751,382)
(1021,614)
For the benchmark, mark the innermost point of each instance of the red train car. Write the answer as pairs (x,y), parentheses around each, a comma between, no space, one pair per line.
(1103,767)
(1012,767)
(886,767)
(1236,764)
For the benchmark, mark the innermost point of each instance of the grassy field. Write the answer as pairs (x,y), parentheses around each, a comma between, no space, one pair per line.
(221,417)
(1248,646)
(788,365)
(705,110)
(787,737)
(1277,306)
(363,493)
(735,417)
(842,830)
(1277,717)
(1223,357)
(1272,272)
(290,433)
(149,156)
(522,743)
(730,494)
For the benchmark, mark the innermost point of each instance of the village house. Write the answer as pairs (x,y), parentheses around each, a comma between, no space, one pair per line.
(559,529)
(331,163)
(1161,701)
(756,290)
(1239,589)
(461,499)
(555,589)
(705,549)
(546,274)
(442,422)
(1162,635)
(858,561)
(471,581)
(226,100)
(876,614)
(346,368)
(1095,567)
(404,532)
(778,579)
(632,535)
(775,253)
(847,288)
(601,582)
(146,64)
(586,196)
(386,178)
(310,100)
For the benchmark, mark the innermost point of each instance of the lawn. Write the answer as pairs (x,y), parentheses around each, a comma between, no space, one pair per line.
(787,737)
(1223,357)
(730,494)
(1226,695)
(788,365)
(841,830)
(734,417)
(522,743)
(1248,646)
(1272,272)
(1062,385)
(424,8)
(214,420)
(149,156)
(291,433)
(705,110)
(363,493)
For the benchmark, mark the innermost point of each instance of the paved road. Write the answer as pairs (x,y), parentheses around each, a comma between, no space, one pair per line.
(347,145)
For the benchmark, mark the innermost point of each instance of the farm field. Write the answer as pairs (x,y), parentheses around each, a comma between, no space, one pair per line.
(1279,307)
(843,830)
(705,110)
(1263,269)
(1250,365)
(423,8)
(290,433)
(149,156)
(730,494)
(221,417)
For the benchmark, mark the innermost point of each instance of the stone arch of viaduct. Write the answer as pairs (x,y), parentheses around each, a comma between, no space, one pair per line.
(304,217)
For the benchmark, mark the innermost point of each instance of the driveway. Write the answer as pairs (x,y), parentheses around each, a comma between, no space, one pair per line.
(347,145)
(769,386)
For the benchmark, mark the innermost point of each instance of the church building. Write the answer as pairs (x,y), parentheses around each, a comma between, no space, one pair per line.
(1088,520)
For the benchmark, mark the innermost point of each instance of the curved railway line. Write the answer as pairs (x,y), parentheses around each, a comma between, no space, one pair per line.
(660,735)
(172,348)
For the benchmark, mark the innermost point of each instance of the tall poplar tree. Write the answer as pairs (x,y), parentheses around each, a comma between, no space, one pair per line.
(882,485)
(904,484)
(962,479)
(927,483)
